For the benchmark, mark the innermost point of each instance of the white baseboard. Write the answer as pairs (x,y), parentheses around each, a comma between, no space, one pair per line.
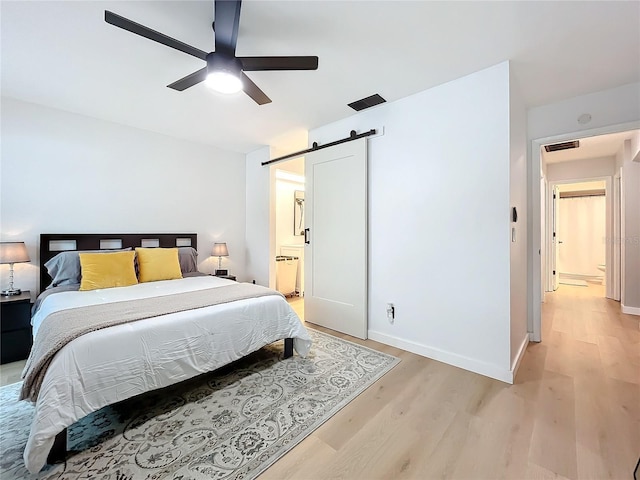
(516,363)
(630,310)
(466,363)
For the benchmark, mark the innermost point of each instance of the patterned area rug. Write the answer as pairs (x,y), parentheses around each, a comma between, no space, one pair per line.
(230,424)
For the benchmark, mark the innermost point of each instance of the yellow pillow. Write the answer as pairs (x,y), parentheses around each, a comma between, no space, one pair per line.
(106,270)
(158,264)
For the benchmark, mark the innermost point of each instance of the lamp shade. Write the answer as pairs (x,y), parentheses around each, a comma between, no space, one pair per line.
(13,252)
(220,250)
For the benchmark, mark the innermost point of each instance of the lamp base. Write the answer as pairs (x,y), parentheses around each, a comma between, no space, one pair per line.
(13,291)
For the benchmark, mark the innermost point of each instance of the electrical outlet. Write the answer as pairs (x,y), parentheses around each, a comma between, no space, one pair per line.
(391,312)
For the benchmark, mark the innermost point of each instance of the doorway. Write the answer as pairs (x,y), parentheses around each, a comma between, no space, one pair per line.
(289,227)
(331,185)
(578,233)
(604,161)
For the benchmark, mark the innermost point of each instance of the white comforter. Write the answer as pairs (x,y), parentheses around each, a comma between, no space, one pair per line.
(110,365)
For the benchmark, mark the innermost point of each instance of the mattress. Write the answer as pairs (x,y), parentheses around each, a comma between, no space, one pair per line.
(116,363)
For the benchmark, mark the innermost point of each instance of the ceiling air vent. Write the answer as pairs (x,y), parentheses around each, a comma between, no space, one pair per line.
(562,146)
(371,101)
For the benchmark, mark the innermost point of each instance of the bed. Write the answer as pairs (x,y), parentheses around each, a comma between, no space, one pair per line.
(110,364)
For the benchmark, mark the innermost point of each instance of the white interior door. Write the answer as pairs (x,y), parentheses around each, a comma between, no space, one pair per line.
(335,267)
(615,274)
(556,239)
(543,240)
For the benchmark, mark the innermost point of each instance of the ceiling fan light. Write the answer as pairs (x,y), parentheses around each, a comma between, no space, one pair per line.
(224,82)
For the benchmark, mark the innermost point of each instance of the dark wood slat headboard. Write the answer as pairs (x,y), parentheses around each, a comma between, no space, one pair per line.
(93,241)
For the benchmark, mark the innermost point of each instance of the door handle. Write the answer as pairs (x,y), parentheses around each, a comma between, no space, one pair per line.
(307,236)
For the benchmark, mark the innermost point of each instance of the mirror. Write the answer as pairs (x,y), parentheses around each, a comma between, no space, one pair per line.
(298,212)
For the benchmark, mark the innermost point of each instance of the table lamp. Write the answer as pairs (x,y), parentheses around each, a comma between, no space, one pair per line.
(220,250)
(13,252)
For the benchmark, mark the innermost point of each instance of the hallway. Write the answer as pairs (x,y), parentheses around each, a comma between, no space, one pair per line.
(587,419)
(587,334)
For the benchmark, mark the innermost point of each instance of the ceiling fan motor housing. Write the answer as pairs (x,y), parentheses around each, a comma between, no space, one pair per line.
(219,62)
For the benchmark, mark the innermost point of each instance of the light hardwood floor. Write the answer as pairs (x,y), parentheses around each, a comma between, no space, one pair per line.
(574,411)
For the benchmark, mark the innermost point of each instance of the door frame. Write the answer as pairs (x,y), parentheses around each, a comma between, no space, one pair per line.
(536,228)
(552,194)
(617,235)
(544,253)
(275,247)
(622,235)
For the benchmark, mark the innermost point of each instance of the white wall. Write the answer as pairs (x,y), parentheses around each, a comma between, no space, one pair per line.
(608,107)
(295,165)
(581,169)
(635,146)
(439,225)
(63,172)
(518,199)
(631,235)
(259,218)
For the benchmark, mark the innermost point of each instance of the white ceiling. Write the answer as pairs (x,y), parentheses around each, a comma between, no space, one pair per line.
(64,55)
(591,147)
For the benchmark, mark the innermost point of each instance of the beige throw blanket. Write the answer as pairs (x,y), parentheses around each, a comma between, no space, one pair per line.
(60,328)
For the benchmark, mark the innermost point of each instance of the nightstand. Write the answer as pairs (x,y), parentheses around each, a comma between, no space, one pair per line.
(15,320)
(228,277)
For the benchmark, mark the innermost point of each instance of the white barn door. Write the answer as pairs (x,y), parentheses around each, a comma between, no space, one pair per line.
(335,268)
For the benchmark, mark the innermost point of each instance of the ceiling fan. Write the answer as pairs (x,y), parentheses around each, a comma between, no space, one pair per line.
(224,71)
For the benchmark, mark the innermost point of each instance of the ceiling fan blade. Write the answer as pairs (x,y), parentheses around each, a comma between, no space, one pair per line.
(251,64)
(227,19)
(189,80)
(133,27)
(254,91)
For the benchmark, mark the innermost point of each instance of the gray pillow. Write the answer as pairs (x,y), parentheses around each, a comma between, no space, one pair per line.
(187,256)
(64,268)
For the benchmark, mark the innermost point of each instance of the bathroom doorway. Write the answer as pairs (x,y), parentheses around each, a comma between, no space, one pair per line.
(581,219)
(289,227)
